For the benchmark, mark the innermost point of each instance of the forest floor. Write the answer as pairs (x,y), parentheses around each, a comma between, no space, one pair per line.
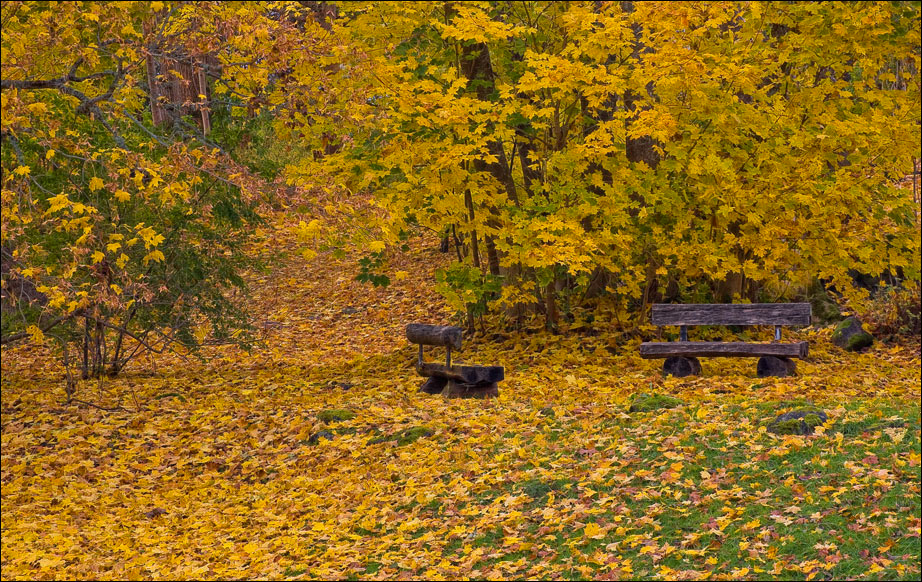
(314,456)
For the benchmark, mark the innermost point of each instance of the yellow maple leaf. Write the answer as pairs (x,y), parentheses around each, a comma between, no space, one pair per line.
(593,531)
(35,333)
(154,255)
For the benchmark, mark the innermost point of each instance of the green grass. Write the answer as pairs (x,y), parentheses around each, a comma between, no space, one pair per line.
(772,503)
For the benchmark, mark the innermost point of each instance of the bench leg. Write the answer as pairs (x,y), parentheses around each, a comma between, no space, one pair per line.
(775,366)
(433,385)
(680,367)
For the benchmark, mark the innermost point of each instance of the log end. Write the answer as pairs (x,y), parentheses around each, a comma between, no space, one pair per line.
(681,367)
(773,366)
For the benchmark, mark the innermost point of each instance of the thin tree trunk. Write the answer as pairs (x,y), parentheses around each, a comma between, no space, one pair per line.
(85,372)
(475,250)
(550,304)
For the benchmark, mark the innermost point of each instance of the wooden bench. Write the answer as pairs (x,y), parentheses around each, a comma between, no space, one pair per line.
(448,380)
(682,356)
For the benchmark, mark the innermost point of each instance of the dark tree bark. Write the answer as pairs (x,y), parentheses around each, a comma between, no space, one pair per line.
(476,66)
(639,149)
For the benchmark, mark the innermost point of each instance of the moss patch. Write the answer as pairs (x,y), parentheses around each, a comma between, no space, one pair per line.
(648,402)
(851,335)
(410,435)
(335,415)
(405,436)
(841,328)
(800,421)
(859,341)
(812,420)
(789,427)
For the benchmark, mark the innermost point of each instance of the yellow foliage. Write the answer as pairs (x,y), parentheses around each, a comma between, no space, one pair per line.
(732,156)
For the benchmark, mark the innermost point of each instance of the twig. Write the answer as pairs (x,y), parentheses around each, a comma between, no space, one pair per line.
(100,407)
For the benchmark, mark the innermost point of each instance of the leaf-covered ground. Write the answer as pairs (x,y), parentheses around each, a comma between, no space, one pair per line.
(315,457)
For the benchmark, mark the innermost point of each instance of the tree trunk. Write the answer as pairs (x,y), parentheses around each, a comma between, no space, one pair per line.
(476,66)
(550,304)
(475,250)
(639,149)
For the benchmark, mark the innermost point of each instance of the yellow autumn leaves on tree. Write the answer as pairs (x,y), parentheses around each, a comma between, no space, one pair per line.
(563,152)
(122,214)
(716,151)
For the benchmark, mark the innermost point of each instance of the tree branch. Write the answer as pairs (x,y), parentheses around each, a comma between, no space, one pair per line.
(23,334)
(88,106)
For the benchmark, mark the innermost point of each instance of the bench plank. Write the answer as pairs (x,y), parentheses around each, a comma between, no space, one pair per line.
(465,374)
(434,335)
(721,349)
(731,314)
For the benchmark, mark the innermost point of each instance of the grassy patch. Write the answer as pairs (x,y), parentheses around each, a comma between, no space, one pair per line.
(649,402)
(404,437)
(335,415)
(291,572)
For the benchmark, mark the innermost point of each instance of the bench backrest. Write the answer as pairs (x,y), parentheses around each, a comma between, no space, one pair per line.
(731,314)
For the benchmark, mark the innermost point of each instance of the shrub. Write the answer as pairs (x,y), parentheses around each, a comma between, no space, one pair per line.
(894,312)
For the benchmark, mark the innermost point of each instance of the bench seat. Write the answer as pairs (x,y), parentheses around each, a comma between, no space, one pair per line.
(465,374)
(722,349)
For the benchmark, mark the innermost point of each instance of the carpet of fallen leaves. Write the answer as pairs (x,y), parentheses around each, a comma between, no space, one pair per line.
(236,467)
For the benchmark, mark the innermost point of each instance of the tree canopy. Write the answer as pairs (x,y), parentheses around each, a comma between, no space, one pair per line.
(564,151)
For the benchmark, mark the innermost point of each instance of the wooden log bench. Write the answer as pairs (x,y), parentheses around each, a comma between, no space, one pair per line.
(449,380)
(775,359)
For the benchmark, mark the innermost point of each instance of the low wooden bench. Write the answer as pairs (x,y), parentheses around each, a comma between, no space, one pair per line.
(682,356)
(449,380)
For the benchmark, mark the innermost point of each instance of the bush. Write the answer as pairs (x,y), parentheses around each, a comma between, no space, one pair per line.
(894,312)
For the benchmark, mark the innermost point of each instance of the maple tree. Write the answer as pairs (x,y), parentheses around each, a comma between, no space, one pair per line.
(122,220)
(659,150)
